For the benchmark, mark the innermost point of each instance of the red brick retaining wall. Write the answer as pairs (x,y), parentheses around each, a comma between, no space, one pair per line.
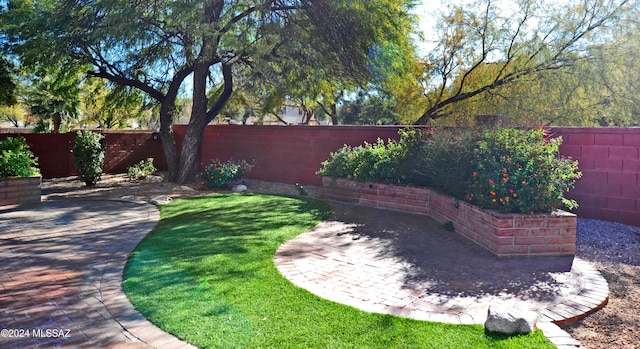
(505,235)
(20,190)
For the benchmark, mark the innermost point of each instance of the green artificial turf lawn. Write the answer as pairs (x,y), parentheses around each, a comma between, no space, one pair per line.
(206,274)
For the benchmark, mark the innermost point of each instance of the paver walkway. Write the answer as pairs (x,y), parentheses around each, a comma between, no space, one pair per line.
(408,265)
(60,276)
(62,262)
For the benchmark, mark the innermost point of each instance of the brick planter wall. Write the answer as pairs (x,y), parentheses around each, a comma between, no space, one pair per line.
(19,190)
(505,235)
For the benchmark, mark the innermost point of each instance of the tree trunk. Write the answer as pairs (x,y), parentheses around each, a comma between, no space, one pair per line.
(200,117)
(190,151)
(168,139)
(198,121)
(334,114)
(57,122)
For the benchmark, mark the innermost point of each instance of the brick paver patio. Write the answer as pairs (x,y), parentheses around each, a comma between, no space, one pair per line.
(408,265)
(61,275)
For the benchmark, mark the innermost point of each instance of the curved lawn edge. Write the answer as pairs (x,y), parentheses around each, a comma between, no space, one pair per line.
(206,274)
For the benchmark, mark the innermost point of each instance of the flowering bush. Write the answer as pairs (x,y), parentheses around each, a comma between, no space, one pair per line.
(505,169)
(218,174)
(520,171)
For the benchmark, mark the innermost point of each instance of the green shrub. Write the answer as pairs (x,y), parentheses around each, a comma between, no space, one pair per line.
(444,161)
(16,159)
(509,170)
(521,171)
(141,170)
(219,174)
(378,162)
(88,156)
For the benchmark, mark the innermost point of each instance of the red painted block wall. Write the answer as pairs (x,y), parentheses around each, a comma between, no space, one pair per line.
(123,149)
(286,154)
(126,148)
(53,152)
(609,159)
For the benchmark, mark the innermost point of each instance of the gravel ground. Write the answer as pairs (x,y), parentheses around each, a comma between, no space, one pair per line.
(613,248)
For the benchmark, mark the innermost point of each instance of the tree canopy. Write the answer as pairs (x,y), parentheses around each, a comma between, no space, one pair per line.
(481,47)
(7,83)
(157,46)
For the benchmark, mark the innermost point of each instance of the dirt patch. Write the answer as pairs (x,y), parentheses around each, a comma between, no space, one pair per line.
(118,186)
(613,248)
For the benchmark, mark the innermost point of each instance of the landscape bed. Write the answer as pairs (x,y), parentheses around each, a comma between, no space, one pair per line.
(503,234)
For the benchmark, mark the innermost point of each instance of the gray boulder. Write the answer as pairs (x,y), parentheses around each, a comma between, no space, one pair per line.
(510,321)
(152,179)
(160,200)
(239,188)
(183,188)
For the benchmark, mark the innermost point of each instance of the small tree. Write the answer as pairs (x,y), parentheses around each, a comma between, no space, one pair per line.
(88,156)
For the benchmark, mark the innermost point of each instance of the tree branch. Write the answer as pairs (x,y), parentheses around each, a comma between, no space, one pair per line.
(227,74)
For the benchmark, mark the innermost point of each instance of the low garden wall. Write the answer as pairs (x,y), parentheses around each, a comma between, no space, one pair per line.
(505,235)
(20,190)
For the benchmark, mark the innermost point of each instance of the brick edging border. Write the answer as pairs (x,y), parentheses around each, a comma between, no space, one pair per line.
(504,235)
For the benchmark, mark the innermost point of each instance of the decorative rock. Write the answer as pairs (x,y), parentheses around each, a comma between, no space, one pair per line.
(160,200)
(510,321)
(152,179)
(183,188)
(239,188)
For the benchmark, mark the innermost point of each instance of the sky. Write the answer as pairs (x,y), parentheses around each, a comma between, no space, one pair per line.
(428,11)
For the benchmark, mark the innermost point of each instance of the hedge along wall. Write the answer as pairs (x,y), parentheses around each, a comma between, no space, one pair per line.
(124,148)
(609,159)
